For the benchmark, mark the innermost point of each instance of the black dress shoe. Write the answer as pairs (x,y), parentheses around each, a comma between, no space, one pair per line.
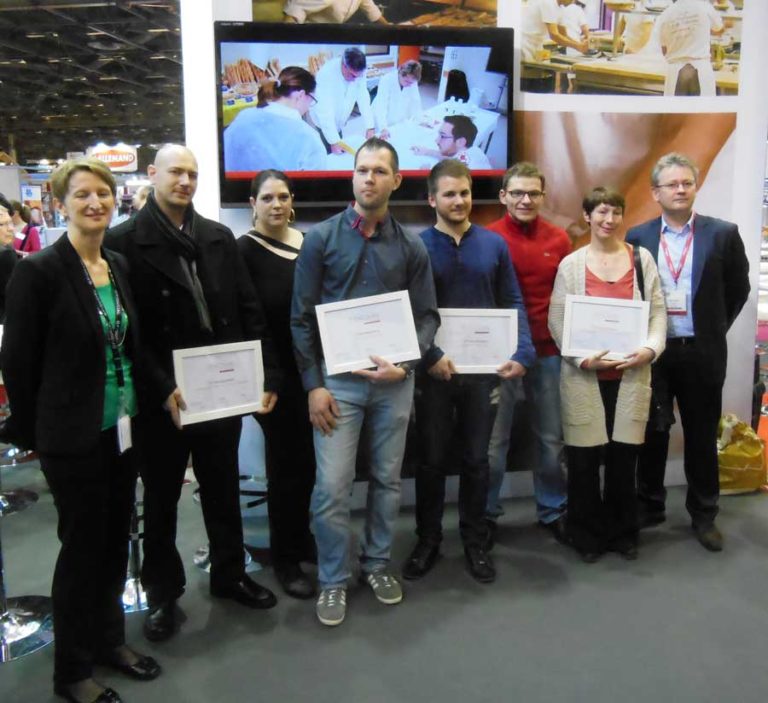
(160,623)
(480,564)
(294,581)
(246,592)
(145,668)
(108,695)
(626,549)
(421,560)
(557,529)
(709,537)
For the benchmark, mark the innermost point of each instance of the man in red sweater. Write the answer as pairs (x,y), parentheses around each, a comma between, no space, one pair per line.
(536,247)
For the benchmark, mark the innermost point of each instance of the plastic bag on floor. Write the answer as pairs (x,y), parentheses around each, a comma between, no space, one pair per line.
(741,456)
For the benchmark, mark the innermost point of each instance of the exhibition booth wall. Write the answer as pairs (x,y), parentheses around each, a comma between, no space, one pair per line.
(579,141)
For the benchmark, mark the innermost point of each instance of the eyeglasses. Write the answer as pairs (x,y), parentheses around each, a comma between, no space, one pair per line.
(520,194)
(443,135)
(312,98)
(676,185)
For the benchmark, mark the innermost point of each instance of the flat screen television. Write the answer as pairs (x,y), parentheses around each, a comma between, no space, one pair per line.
(461,106)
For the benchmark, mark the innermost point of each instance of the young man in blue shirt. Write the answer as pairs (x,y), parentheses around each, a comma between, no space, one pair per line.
(360,252)
(471,269)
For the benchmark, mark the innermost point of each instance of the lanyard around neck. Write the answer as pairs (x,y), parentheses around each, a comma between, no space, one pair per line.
(116,332)
(676,272)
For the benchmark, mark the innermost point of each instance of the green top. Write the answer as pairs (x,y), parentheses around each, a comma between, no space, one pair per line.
(112,392)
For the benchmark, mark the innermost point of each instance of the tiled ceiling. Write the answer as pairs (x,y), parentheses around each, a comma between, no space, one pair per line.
(73,73)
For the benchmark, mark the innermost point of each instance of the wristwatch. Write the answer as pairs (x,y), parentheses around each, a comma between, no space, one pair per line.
(407,367)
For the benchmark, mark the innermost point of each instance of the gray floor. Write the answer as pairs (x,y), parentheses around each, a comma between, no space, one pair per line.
(680,624)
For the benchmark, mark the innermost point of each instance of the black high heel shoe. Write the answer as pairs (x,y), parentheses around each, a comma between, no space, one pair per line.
(145,668)
(108,695)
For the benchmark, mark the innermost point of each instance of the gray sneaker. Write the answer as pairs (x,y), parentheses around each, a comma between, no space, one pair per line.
(385,587)
(332,605)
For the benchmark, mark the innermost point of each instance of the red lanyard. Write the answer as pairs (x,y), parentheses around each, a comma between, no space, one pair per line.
(675,272)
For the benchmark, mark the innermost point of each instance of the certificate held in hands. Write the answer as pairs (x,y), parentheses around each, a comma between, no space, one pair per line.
(477,340)
(218,381)
(594,324)
(351,331)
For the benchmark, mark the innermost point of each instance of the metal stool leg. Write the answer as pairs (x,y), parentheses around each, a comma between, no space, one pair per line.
(202,558)
(26,623)
(134,597)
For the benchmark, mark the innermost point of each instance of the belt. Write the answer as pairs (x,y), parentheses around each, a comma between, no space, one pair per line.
(680,341)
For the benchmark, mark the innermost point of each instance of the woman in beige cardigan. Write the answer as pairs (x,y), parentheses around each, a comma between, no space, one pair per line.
(605,403)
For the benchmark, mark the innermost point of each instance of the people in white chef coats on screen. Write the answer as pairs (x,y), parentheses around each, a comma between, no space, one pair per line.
(273,134)
(455,140)
(397,98)
(685,31)
(341,83)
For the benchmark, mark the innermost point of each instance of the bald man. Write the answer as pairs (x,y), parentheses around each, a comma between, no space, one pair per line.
(192,290)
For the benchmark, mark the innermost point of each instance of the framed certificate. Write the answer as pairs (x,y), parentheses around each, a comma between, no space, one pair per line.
(594,324)
(352,330)
(222,380)
(477,340)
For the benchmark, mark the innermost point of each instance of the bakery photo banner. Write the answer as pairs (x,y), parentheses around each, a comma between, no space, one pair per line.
(631,47)
(426,13)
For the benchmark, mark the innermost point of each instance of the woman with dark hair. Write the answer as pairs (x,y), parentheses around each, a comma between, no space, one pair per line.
(605,403)
(269,250)
(274,134)
(68,349)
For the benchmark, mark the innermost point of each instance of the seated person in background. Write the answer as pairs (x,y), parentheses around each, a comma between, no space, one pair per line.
(398,98)
(605,403)
(27,232)
(340,85)
(140,197)
(331,11)
(273,134)
(454,140)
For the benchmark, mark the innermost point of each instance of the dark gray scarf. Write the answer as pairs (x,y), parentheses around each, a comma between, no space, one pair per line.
(182,242)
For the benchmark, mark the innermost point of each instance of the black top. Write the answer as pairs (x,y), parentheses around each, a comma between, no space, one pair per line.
(8,259)
(272,276)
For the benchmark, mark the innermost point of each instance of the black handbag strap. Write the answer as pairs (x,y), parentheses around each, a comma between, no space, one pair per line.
(639,271)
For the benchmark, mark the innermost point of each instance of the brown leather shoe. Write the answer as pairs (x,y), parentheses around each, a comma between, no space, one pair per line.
(709,537)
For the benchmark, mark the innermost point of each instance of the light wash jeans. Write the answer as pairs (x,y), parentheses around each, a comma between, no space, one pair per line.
(541,386)
(386,409)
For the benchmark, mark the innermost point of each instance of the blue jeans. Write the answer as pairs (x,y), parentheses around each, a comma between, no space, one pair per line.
(541,386)
(386,409)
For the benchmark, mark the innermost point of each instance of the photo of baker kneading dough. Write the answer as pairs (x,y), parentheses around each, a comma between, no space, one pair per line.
(631,47)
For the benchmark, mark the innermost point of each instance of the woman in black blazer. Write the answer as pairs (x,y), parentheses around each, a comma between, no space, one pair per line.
(69,343)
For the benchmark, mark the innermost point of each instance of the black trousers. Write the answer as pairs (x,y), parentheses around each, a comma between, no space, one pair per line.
(94,496)
(290,464)
(679,374)
(601,520)
(447,410)
(165,452)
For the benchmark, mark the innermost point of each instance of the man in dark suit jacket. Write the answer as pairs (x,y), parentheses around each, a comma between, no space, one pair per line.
(704,276)
(192,290)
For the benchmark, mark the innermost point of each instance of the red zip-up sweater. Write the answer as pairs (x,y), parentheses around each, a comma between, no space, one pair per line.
(536,250)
